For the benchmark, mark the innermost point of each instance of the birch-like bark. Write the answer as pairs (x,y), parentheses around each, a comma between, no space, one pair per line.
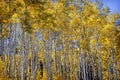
(114,64)
(23,55)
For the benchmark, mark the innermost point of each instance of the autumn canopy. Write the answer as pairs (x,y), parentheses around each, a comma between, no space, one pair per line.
(58,40)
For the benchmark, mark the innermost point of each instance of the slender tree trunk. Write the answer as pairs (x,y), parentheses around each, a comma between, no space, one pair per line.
(23,55)
(114,64)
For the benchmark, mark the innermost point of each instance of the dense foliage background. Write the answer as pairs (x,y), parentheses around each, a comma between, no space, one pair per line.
(60,40)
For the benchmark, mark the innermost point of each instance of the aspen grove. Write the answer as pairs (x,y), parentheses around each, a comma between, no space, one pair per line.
(58,40)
